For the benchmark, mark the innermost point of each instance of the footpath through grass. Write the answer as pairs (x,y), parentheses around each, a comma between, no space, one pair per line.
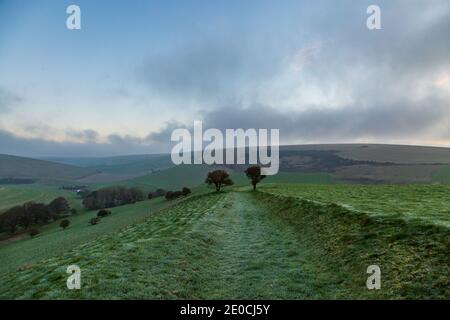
(247,245)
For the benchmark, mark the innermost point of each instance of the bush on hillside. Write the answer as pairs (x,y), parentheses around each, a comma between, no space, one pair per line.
(156,194)
(33,232)
(64,224)
(103,213)
(171,195)
(186,191)
(94,221)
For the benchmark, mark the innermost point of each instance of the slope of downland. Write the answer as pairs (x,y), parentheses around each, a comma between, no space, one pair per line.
(20,167)
(53,240)
(248,245)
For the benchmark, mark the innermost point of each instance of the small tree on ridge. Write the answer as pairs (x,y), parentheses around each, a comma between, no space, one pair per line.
(218,178)
(255,176)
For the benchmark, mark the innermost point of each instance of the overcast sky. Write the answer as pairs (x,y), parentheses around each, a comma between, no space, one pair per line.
(139,69)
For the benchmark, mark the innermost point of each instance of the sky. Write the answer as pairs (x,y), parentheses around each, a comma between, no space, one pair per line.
(137,70)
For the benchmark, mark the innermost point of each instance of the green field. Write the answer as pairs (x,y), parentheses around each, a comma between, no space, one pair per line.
(282,242)
(429,203)
(442,175)
(53,240)
(11,196)
(50,172)
(193,175)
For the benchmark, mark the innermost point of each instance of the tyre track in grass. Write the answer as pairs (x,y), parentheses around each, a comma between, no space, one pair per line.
(258,255)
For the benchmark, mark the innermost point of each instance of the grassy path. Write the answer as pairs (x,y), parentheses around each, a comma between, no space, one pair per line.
(216,246)
(239,245)
(258,255)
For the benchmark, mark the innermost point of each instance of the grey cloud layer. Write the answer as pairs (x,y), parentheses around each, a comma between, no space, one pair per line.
(385,121)
(11,144)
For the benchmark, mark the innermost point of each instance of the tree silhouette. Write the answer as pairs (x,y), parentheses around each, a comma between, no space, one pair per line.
(59,206)
(64,224)
(186,191)
(255,176)
(218,178)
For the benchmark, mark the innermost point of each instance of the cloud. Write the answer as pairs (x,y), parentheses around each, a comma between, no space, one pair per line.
(162,137)
(8,100)
(211,70)
(399,120)
(116,145)
(313,71)
(88,135)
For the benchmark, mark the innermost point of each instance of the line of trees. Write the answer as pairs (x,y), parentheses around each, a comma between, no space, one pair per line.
(171,195)
(112,197)
(156,194)
(32,213)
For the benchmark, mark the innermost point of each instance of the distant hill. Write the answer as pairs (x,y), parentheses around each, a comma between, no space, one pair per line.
(399,154)
(13,167)
(367,163)
(322,163)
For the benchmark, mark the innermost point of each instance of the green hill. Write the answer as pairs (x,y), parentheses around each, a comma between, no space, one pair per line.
(40,170)
(120,164)
(348,163)
(11,196)
(248,245)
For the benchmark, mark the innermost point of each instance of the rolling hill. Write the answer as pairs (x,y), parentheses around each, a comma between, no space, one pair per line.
(240,244)
(344,163)
(40,170)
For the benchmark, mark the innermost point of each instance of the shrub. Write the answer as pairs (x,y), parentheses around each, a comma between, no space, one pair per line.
(186,191)
(64,223)
(94,221)
(73,211)
(169,195)
(33,232)
(103,213)
(177,194)
(159,193)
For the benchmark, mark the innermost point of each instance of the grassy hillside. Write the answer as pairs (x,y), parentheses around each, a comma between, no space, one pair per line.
(120,164)
(242,244)
(354,163)
(442,175)
(173,178)
(53,240)
(19,167)
(383,152)
(194,175)
(11,196)
(428,203)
